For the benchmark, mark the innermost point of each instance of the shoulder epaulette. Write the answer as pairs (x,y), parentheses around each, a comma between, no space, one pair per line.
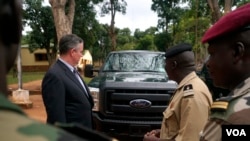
(219,106)
(188,90)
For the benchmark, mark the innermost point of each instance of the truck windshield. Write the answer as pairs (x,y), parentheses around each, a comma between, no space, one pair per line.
(143,62)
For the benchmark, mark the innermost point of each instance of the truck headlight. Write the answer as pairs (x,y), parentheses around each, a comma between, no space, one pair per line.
(95,94)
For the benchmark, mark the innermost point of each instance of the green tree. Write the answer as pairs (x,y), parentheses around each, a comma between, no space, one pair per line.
(161,39)
(151,30)
(40,20)
(103,45)
(146,43)
(124,37)
(169,12)
(85,24)
(111,7)
(219,8)
(138,34)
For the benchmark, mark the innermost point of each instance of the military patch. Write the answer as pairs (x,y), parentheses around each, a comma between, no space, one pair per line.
(188,90)
(219,105)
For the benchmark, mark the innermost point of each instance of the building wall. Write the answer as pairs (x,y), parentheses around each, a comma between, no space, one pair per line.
(35,61)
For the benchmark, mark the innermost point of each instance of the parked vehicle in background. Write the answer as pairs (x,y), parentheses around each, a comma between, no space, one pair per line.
(130,92)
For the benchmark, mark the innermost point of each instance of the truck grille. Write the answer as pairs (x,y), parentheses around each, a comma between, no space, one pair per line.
(118,103)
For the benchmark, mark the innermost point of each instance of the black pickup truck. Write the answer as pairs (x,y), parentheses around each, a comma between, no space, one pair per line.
(130,93)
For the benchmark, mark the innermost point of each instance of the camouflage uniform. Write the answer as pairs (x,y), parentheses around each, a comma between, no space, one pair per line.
(188,110)
(16,126)
(233,109)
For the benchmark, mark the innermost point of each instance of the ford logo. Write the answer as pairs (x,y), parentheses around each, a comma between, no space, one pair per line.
(140,103)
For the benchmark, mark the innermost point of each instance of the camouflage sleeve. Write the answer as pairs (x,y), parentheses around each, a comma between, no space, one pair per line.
(211,131)
(16,126)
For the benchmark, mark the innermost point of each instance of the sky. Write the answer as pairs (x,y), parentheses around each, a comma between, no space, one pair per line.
(138,15)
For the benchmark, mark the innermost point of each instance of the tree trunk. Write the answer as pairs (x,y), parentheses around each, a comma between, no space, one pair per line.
(63,20)
(196,30)
(112,32)
(215,10)
(167,44)
(228,6)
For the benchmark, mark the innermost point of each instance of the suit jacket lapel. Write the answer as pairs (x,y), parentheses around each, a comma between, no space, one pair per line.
(72,76)
(88,92)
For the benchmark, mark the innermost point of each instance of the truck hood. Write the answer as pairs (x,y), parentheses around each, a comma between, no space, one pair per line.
(128,77)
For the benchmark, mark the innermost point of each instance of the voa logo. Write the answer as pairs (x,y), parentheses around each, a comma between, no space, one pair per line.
(236,132)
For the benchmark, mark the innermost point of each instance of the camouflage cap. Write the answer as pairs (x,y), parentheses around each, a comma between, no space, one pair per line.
(234,21)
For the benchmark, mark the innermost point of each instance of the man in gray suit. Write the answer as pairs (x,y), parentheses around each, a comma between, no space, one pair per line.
(65,95)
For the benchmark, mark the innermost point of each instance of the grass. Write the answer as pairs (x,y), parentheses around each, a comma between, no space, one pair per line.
(31,76)
(26,77)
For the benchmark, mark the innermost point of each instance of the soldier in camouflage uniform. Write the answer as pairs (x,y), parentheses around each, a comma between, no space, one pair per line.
(229,67)
(14,123)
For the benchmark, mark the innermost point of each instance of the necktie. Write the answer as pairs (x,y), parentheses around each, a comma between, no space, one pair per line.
(77,75)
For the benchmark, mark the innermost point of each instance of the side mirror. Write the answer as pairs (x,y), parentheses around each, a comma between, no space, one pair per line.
(88,71)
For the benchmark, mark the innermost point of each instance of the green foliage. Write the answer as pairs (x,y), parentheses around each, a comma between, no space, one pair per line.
(161,40)
(167,10)
(186,30)
(85,24)
(40,19)
(25,39)
(236,3)
(151,30)
(103,44)
(26,77)
(241,2)
(179,21)
(111,6)
(127,46)
(31,76)
(123,37)
(138,34)
(146,43)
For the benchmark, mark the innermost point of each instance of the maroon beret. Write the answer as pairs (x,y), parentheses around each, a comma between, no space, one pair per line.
(232,22)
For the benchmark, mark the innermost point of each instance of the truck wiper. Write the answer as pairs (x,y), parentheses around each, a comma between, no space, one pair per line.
(112,71)
(145,71)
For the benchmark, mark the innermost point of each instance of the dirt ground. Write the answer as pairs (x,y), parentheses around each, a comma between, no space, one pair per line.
(37,111)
